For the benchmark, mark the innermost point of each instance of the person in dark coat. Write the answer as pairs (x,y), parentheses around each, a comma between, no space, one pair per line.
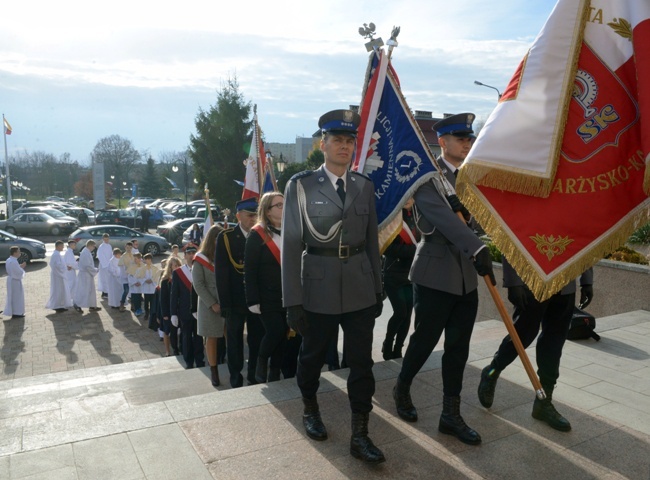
(170,332)
(263,282)
(145,213)
(554,316)
(398,258)
(229,270)
(183,304)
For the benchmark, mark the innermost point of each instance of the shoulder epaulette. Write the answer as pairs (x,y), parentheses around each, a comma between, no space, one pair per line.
(361,175)
(303,174)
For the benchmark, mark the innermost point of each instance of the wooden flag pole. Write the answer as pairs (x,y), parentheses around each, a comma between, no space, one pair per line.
(514,336)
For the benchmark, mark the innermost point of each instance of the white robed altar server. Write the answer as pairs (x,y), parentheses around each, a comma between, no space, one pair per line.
(71,267)
(15,304)
(104,255)
(85,294)
(115,287)
(59,293)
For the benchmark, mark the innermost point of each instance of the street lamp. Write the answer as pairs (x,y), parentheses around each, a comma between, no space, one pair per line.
(281,164)
(476,82)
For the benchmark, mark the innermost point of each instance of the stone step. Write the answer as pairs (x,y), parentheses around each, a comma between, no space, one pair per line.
(55,409)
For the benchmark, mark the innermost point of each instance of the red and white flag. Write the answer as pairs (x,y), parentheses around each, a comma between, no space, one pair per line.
(255,164)
(556,176)
(8,129)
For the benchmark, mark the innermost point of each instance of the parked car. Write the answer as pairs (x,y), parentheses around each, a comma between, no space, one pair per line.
(186,233)
(173,231)
(128,217)
(52,212)
(76,212)
(54,198)
(148,243)
(139,201)
(200,212)
(30,248)
(36,224)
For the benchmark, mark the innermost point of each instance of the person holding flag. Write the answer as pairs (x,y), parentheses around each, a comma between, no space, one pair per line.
(444,283)
(331,275)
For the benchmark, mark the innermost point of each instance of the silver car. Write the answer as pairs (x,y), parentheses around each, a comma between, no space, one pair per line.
(30,248)
(36,224)
(147,243)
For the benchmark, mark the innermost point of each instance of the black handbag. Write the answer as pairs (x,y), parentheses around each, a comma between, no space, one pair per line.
(582,326)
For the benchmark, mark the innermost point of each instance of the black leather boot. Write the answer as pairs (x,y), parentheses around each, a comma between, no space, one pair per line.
(452,423)
(486,386)
(397,351)
(387,349)
(361,446)
(403,403)
(274,374)
(311,420)
(261,370)
(545,411)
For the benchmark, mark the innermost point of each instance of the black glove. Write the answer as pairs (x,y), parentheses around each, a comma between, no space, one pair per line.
(483,264)
(296,319)
(586,295)
(379,306)
(518,296)
(225,312)
(456,206)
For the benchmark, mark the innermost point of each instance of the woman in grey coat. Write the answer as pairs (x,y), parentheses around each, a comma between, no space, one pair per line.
(210,323)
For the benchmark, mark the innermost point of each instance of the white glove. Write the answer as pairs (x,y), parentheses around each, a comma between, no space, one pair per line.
(175,320)
(195,315)
(255,309)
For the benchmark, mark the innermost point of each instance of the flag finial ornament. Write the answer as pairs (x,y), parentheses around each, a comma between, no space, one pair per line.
(368,31)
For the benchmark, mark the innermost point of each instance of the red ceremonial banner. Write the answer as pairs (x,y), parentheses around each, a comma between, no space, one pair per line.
(597,197)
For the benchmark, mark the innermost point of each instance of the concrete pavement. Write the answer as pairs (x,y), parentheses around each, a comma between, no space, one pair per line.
(90,397)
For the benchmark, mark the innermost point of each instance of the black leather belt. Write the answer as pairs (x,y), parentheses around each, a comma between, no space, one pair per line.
(343,251)
(437,239)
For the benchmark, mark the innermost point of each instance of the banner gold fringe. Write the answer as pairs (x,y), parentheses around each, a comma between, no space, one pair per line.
(389,233)
(522,181)
(543,288)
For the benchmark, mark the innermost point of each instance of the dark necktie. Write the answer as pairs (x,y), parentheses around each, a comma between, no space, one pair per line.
(340,190)
(456,173)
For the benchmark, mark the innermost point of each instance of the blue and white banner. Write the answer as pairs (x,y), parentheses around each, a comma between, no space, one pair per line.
(391,148)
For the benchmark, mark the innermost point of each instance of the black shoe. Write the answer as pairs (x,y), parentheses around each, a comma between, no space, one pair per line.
(94,309)
(18,316)
(237,381)
(60,310)
(261,372)
(214,376)
(104,295)
(486,386)
(451,423)
(176,353)
(403,402)
(311,420)
(545,411)
(361,446)
(387,349)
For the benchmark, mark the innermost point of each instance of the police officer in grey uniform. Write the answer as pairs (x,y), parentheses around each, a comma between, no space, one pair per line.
(443,273)
(331,275)
(554,315)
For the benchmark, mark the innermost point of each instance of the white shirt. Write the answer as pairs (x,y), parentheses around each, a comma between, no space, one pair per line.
(333,178)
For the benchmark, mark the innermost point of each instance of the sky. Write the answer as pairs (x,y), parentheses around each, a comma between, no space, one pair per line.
(73,72)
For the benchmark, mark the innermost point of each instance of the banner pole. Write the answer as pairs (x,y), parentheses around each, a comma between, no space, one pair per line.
(514,336)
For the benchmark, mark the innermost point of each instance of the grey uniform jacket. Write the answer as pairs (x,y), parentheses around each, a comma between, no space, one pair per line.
(444,261)
(324,284)
(511,279)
